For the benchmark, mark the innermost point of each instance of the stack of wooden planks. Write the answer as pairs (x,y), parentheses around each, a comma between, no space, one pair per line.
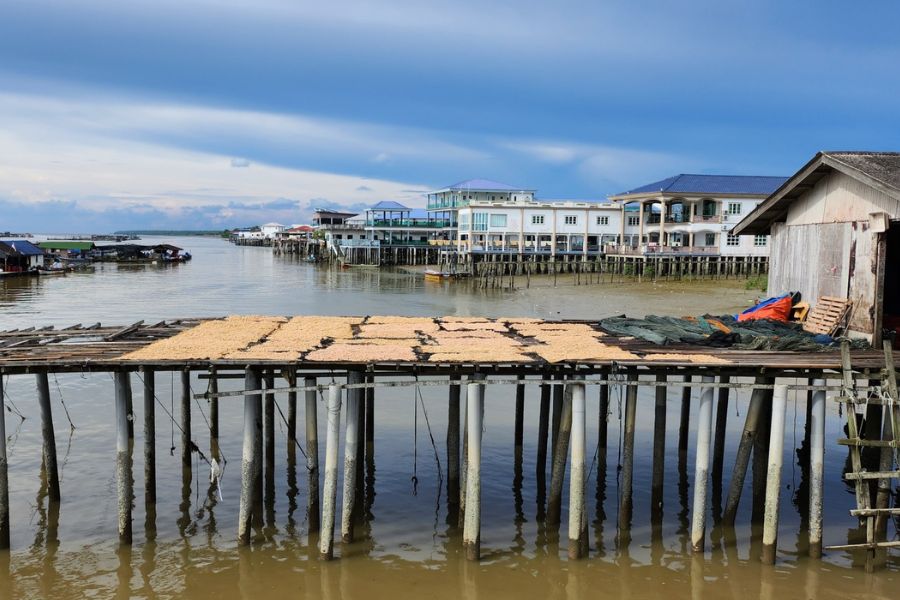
(827,316)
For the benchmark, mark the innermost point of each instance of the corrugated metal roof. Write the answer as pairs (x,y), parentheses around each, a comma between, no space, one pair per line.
(485,185)
(24,247)
(389,205)
(65,245)
(712,184)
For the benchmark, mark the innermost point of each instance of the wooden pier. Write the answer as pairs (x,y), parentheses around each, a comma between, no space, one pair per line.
(350,360)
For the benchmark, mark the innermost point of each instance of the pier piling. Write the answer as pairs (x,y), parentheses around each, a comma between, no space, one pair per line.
(555,420)
(351,443)
(519,419)
(4,474)
(453,490)
(312,455)
(291,379)
(625,501)
(124,481)
(214,416)
(578,540)
(742,458)
(329,496)
(719,440)
(251,458)
(701,468)
(543,431)
(659,451)
(474,415)
(149,379)
(773,477)
(560,456)
(684,422)
(186,419)
(269,448)
(49,437)
(816,470)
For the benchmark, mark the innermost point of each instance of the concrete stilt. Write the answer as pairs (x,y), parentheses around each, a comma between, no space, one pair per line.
(149,377)
(816,470)
(312,455)
(719,439)
(49,437)
(186,419)
(464,470)
(4,474)
(543,431)
(329,496)
(291,412)
(625,501)
(577,518)
(124,481)
(773,478)
(269,448)
(474,414)
(351,443)
(742,459)
(659,451)
(251,456)
(684,422)
(556,415)
(214,449)
(701,468)
(560,456)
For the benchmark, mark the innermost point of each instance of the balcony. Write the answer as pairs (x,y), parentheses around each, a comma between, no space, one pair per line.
(707,219)
(410,223)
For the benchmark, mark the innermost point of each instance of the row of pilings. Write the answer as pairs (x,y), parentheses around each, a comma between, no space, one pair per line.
(560,446)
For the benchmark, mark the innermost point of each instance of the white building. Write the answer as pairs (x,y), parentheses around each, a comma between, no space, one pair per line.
(692,215)
(270,230)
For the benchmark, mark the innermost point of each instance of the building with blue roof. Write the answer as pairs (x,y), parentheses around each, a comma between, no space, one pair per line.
(22,253)
(693,214)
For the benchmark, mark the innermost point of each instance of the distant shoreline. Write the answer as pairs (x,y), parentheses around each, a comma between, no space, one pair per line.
(172,232)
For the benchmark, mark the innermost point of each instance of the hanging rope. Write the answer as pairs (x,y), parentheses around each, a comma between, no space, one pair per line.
(415,478)
(11,406)
(63,402)
(437,458)
(172,410)
(296,441)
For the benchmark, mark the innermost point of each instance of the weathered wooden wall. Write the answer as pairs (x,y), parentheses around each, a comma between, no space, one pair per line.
(838,198)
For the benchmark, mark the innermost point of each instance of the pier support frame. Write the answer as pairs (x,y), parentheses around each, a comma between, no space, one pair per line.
(453,493)
(124,480)
(701,468)
(745,448)
(329,496)
(773,476)
(49,437)
(626,502)
(560,456)
(251,457)
(474,415)
(149,379)
(659,451)
(186,419)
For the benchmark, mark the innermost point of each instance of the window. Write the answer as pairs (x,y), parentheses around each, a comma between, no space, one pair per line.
(734,208)
(464,221)
(760,240)
(710,239)
(479,221)
(537,219)
(571,219)
(498,220)
(732,240)
(634,220)
(602,220)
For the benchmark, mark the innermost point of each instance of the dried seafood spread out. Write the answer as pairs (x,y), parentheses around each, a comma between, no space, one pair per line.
(386,339)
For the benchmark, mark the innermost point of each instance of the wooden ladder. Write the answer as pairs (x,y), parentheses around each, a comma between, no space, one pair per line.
(876,517)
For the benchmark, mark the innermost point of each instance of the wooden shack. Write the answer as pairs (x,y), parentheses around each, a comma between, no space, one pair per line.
(835,228)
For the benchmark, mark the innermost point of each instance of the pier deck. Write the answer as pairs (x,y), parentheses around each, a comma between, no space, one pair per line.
(417,344)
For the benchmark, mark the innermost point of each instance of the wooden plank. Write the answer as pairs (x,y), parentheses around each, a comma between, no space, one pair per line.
(872,546)
(872,475)
(873,512)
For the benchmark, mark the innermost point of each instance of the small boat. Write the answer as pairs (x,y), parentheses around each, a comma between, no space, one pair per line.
(432,275)
(48,272)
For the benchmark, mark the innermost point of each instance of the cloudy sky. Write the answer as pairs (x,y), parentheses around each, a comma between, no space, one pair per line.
(210,114)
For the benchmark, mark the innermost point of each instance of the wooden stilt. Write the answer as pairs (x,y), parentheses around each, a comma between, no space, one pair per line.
(329,496)
(214,416)
(251,459)
(742,459)
(351,442)
(474,414)
(453,489)
(312,455)
(773,478)
(186,418)
(701,469)
(149,377)
(269,448)
(4,474)
(555,419)
(719,440)
(291,412)
(684,422)
(124,481)
(578,540)
(543,430)
(49,437)
(519,419)
(625,502)
(659,451)
(560,456)
(370,419)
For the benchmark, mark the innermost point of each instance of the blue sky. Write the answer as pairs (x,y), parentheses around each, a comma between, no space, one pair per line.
(212,114)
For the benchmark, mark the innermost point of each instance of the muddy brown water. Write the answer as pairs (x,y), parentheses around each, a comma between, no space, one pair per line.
(407,547)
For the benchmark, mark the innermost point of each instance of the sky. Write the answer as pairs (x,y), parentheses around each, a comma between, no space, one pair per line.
(195,114)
